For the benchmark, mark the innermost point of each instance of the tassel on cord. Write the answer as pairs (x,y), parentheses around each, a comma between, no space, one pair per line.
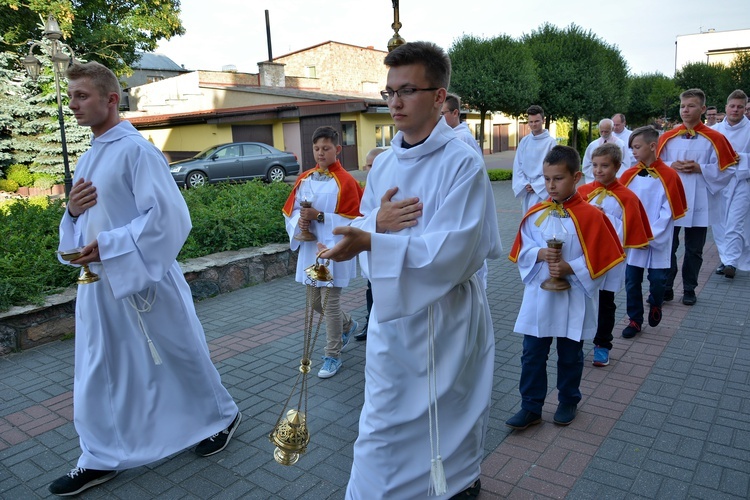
(438,484)
(148,303)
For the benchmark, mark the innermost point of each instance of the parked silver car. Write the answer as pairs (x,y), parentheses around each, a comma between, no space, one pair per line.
(236,161)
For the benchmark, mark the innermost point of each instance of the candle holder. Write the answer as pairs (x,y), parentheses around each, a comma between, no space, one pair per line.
(86,276)
(554,234)
(305,197)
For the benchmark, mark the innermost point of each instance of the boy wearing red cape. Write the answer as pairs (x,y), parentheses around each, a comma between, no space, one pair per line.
(591,248)
(629,218)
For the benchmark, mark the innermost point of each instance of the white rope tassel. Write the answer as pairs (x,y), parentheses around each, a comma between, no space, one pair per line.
(438,485)
(147,303)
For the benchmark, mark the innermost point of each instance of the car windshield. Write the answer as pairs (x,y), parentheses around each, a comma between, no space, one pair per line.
(207,152)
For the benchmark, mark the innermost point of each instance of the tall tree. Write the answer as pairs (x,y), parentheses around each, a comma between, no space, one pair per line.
(107,31)
(652,96)
(714,79)
(740,71)
(583,76)
(493,74)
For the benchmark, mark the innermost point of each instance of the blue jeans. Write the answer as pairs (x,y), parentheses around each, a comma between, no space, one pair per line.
(533,384)
(657,279)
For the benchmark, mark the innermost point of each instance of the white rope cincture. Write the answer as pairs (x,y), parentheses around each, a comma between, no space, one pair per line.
(146,304)
(438,485)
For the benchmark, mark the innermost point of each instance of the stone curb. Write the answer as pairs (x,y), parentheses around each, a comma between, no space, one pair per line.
(24,327)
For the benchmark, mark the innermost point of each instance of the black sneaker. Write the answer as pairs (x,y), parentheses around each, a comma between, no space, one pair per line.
(523,419)
(654,315)
(729,272)
(668,295)
(78,480)
(689,298)
(471,492)
(218,441)
(630,331)
(720,269)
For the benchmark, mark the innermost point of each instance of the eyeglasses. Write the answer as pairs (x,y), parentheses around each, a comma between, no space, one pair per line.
(402,93)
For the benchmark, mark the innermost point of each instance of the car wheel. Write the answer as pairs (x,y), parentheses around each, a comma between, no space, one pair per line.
(276,174)
(195,179)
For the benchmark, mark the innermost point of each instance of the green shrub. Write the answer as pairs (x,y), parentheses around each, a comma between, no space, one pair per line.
(44,181)
(20,174)
(8,185)
(225,217)
(234,216)
(29,269)
(500,174)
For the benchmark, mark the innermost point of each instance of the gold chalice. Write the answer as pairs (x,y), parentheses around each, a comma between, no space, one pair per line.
(554,234)
(305,197)
(86,276)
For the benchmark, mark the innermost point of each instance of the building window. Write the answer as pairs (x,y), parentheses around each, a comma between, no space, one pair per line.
(384,134)
(348,134)
(152,79)
(310,72)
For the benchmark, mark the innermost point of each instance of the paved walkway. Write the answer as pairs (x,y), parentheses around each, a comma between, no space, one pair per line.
(669,418)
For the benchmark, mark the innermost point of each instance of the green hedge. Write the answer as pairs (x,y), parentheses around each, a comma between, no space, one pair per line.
(29,268)
(234,216)
(499,174)
(225,217)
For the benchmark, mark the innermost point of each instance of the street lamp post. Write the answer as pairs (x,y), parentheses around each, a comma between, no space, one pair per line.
(60,62)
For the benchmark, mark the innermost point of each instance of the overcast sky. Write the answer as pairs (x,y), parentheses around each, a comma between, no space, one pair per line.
(224,32)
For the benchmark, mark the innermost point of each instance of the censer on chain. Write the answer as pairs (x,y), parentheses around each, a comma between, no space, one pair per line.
(290,434)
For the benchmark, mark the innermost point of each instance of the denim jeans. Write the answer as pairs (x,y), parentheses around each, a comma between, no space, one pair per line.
(695,239)
(533,383)
(657,279)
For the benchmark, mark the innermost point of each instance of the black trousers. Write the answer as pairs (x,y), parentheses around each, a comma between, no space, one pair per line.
(695,239)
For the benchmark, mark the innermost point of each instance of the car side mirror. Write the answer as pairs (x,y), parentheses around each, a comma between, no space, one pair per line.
(213,157)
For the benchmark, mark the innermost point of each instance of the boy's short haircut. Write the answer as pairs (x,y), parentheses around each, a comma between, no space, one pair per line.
(436,62)
(609,149)
(649,133)
(737,94)
(710,108)
(694,93)
(326,132)
(102,77)
(535,109)
(453,102)
(564,155)
(374,152)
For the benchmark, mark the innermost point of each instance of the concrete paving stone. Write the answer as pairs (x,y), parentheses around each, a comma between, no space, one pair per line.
(266,480)
(735,483)
(656,465)
(48,461)
(20,491)
(673,489)
(19,453)
(242,489)
(191,468)
(585,489)
(708,475)
(201,486)
(152,482)
(26,470)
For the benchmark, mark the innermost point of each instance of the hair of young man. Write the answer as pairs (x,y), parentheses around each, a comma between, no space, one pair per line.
(737,94)
(605,121)
(694,93)
(326,132)
(374,152)
(649,133)
(453,102)
(710,108)
(436,63)
(611,150)
(564,155)
(535,109)
(620,116)
(103,79)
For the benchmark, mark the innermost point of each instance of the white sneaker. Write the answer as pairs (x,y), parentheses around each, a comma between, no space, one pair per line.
(330,367)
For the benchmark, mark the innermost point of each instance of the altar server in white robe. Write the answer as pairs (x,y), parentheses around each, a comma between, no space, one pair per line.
(451,111)
(528,181)
(732,234)
(705,162)
(606,127)
(429,221)
(144,385)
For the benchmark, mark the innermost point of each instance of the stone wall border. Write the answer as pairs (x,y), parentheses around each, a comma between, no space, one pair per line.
(25,327)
